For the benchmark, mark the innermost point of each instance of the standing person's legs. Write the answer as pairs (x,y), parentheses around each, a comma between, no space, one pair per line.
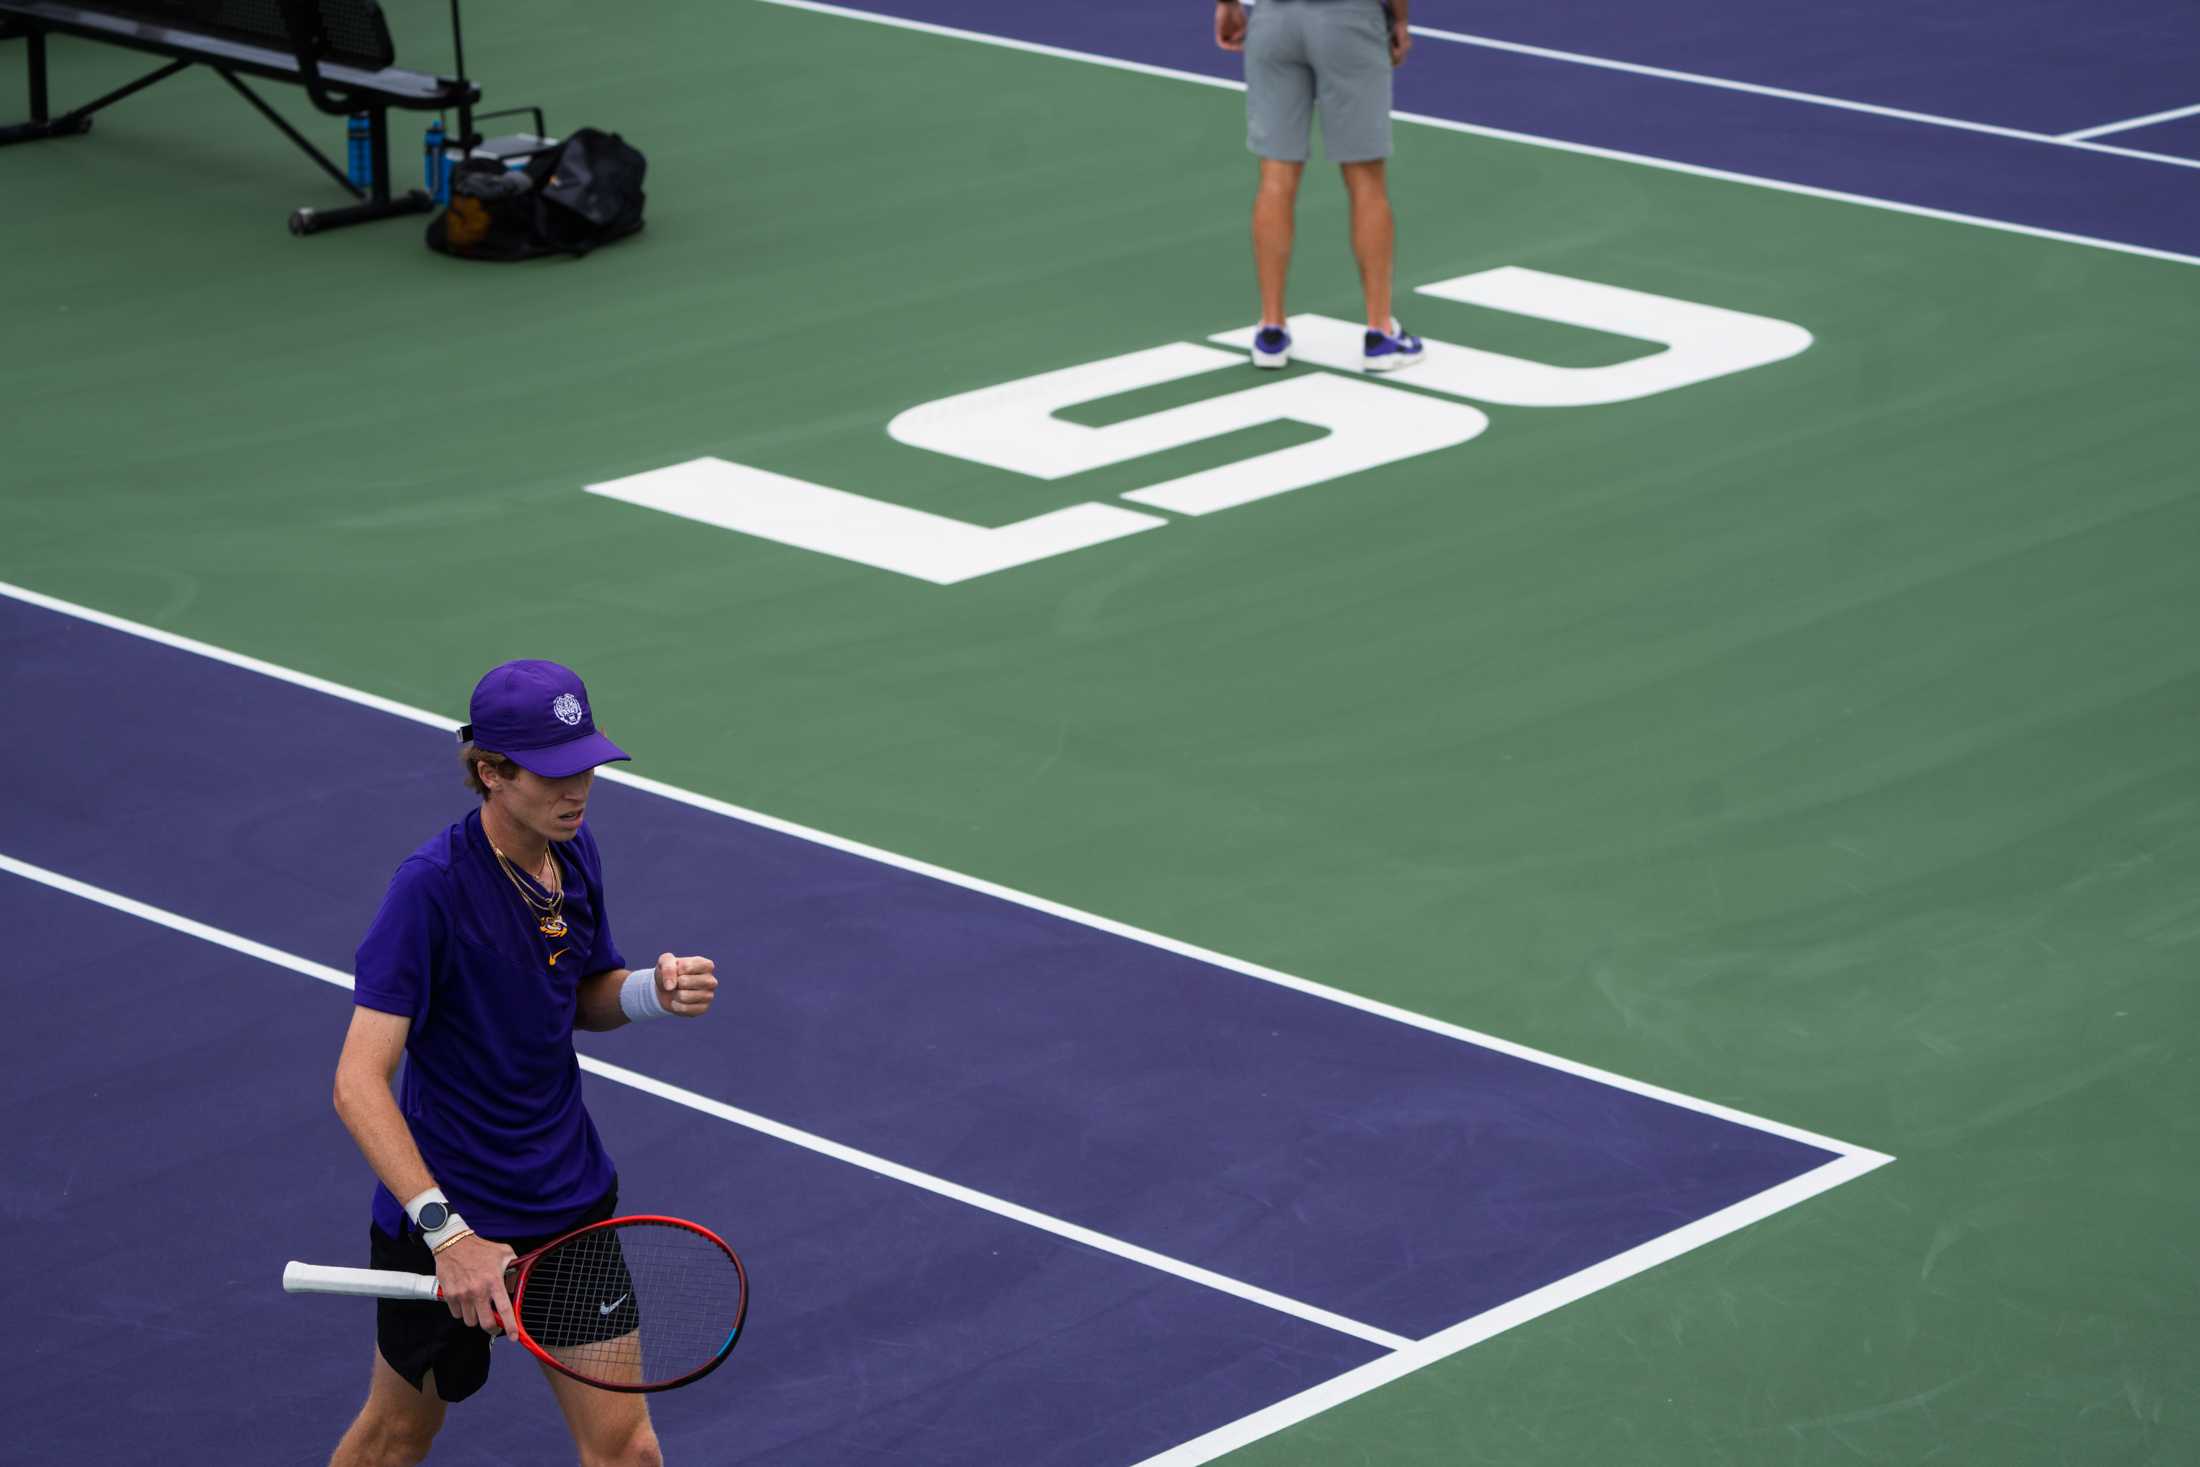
(1374,236)
(1351,54)
(396,1426)
(1279,124)
(1275,207)
(611,1428)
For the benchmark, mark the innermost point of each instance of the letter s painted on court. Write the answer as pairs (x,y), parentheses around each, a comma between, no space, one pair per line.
(1014,426)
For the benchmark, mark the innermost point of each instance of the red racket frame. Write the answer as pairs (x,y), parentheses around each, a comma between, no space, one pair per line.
(526,1262)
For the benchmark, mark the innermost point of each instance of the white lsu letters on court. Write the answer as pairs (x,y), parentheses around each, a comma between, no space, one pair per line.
(1013,426)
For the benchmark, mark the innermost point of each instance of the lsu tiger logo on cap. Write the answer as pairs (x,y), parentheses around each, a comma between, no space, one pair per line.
(536,714)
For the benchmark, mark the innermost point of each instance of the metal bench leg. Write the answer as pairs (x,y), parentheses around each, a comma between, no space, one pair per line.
(36,40)
(378,204)
(282,125)
(42,123)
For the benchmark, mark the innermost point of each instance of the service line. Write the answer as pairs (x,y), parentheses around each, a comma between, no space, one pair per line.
(750,1120)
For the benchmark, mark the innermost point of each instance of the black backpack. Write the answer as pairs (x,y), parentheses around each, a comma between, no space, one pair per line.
(585,192)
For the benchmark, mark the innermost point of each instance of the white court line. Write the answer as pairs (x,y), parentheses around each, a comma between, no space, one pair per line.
(2131,122)
(1423,1353)
(1850,1161)
(1814,99)
(174,921)
(1010,43)
(956,878)
(1587,150)
(750,1120)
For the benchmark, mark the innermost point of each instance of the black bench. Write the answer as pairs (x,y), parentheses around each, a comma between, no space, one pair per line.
(338,50)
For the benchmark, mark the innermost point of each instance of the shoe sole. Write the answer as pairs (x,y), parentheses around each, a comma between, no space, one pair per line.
(1271,359)
(1389,363)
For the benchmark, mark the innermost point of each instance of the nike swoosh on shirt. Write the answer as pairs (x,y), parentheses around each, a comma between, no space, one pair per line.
(615,1303)
(561,952)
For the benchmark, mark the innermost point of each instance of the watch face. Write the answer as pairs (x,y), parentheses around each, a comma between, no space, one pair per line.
(433,1215)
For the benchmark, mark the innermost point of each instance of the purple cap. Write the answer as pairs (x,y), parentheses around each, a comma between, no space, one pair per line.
(536,714)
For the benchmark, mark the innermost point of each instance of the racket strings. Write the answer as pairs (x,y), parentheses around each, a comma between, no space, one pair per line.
(638,1303)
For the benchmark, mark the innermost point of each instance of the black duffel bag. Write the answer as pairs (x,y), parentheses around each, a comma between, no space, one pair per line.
(585,192)
(591,186)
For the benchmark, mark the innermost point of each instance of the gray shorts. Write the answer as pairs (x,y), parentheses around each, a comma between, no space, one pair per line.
(1331,55)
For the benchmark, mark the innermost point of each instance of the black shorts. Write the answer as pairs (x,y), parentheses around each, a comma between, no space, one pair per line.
(417,1337)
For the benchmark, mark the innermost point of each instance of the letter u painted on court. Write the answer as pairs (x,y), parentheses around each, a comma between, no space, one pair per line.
(1016,426)
(1700,342)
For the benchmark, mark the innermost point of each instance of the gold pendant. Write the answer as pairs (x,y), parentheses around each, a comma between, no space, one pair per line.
(553,926)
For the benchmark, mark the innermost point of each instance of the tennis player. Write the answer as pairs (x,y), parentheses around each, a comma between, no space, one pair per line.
(490,948)
(1334,57)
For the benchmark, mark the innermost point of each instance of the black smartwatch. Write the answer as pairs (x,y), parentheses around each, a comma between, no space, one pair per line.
(433,1215)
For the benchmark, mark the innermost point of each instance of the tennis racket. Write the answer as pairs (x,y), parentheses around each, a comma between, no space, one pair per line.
(629,1304)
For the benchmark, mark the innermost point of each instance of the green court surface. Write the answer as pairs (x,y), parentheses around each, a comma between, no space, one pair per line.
(1819,740)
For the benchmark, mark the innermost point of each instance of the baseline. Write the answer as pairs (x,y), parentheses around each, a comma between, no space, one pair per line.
(1585,149)
(1816,99)
(1448,1342)
(1379,1170)
(951,877)
(1847,1161)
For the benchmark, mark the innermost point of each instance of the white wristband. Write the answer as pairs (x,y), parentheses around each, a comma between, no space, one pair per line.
(638,998)
(454,1227)
(433,1194)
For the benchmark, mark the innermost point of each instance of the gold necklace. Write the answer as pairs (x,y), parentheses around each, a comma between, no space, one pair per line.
(548,910)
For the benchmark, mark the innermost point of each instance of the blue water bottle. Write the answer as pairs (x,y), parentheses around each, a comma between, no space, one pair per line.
(359,149)
(436,168)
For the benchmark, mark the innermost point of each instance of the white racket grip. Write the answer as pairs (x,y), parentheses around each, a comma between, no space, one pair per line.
(361,1283)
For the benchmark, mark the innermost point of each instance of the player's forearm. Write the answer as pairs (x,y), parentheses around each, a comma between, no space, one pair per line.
(370,1113)
(596,1005)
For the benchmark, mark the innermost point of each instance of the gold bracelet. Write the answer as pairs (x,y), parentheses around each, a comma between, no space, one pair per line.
(463,1232)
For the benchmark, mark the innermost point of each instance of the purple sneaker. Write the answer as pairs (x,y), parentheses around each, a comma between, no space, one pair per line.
(1388,351)
(1271,347)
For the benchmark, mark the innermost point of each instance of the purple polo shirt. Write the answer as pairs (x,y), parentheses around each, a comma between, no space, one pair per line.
(491,1086)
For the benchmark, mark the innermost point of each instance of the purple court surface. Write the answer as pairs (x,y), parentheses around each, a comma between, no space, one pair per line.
(1381,1180)
(2023,68)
